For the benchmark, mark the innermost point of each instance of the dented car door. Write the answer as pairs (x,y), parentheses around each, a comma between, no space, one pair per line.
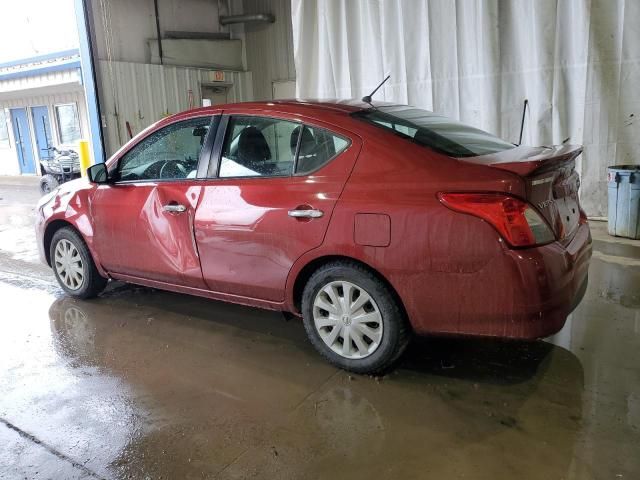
(146,231)
(144,218)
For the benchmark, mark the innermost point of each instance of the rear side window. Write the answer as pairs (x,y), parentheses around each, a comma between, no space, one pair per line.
(435,131)
(271,147)
(317,147)
(259,147)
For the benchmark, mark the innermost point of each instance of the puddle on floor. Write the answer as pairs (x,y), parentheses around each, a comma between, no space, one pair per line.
(145,383)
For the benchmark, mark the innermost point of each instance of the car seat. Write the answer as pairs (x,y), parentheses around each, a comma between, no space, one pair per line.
(253,150)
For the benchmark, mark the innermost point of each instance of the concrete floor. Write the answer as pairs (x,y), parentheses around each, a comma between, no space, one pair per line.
(145,384)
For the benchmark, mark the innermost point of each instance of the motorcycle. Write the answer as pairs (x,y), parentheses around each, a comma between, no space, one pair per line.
(63,167)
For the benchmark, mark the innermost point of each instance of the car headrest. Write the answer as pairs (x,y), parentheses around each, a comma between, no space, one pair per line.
(252,146)
(308,142)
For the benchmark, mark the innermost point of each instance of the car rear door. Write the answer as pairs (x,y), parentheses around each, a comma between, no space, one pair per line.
(256,218)
(143,221)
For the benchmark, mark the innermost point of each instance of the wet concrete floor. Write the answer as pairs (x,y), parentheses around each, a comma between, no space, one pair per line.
(141,383)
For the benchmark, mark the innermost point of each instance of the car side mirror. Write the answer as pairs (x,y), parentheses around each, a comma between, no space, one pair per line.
(98,173)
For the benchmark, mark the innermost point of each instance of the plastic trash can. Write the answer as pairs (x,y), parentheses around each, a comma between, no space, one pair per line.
(624,201)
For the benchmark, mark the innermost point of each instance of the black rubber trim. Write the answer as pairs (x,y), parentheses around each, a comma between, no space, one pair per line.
(216,150)
(205,154)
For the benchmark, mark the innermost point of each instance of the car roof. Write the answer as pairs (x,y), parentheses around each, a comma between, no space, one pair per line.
(302,105)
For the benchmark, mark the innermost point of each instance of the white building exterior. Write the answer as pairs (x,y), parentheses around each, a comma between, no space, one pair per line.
(42,104)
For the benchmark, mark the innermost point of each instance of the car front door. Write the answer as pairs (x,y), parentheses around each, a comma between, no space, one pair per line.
(143,220)
(272,189)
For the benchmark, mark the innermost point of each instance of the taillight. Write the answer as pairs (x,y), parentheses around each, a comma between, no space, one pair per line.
(518,223)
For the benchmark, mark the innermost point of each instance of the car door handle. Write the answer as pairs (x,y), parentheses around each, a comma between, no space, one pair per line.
(312,213)
(174,208)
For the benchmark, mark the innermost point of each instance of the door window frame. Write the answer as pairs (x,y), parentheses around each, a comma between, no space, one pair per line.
(203,158)
(213,169)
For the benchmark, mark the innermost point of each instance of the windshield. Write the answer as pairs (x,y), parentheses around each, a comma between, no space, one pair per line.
(434,131)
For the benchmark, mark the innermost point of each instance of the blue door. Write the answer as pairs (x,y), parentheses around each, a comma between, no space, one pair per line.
(22,134)
(42,128)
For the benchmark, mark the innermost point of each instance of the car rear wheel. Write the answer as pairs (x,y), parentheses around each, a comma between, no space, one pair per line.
(352,318)
(73,265)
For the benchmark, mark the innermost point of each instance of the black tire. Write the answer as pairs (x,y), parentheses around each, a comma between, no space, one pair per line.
(47,183)
(395,327)
(92,282)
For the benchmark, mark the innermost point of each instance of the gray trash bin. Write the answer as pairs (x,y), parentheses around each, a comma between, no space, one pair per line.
(624,200)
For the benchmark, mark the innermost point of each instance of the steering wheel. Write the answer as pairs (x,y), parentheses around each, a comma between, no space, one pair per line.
(179,166)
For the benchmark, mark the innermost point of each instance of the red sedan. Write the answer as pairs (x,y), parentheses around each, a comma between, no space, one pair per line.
(371,222)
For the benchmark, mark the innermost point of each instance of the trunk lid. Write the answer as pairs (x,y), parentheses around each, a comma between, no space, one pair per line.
(550,180)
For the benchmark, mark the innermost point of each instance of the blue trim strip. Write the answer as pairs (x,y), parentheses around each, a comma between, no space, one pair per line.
(69,64)
(40,58)
(90,88)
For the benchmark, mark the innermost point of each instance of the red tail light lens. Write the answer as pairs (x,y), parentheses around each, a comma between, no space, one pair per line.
(518,223)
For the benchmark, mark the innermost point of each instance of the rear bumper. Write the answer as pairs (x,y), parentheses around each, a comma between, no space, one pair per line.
(523,294)
(561,285)
(567,277)
(580,294)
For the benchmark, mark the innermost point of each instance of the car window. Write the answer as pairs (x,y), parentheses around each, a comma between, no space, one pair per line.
(434,131)
(259,147)
(317,147)
(167,154)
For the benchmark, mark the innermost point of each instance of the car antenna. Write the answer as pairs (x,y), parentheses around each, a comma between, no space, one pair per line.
(367,98)
(524,111)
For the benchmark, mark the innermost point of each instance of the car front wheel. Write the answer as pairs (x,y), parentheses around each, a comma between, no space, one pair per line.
(352,318)
(73,265)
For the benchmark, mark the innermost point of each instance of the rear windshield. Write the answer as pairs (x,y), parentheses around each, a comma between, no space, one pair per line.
(434,131)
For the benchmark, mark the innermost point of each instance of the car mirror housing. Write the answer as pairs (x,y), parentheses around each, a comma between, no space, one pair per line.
(98,173)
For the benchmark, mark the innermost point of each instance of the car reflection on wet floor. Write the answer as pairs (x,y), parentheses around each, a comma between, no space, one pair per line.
(141,383)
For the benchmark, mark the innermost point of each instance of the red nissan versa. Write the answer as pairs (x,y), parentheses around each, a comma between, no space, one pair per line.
(369,222)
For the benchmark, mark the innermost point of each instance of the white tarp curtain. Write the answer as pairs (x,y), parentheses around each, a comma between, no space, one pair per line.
(576,61)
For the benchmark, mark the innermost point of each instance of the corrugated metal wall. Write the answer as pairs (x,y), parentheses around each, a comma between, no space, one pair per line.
(142,94)
(269,47)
